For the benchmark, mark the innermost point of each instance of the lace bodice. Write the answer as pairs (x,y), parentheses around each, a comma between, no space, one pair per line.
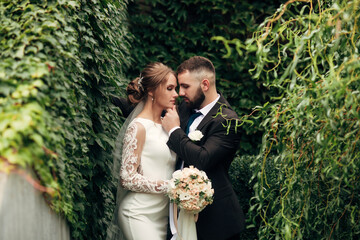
(144,156)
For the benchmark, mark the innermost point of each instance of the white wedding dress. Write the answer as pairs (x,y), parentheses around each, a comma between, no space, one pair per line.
(144,211)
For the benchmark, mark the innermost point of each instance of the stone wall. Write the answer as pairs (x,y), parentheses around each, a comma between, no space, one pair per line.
(24,214)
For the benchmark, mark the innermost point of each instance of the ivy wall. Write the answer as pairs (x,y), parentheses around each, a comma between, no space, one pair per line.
(60,63)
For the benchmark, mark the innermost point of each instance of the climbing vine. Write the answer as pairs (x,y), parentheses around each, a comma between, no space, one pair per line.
(305,177)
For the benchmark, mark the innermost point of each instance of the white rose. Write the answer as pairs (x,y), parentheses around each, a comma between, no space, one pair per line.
(177,174)
(203,175)
(184,196)
(171,185)
(191,171)
(196,135)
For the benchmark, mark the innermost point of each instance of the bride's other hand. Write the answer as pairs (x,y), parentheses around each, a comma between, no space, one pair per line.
(171,119)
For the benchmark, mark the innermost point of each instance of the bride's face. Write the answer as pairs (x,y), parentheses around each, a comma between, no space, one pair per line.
(166,93)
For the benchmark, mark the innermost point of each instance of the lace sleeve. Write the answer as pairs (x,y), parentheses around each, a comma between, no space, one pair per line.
(130,172)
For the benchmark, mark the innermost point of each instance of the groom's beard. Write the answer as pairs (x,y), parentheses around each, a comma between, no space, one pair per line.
(198,100)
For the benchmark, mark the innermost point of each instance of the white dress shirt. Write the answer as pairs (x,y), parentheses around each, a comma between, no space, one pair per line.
(205,110)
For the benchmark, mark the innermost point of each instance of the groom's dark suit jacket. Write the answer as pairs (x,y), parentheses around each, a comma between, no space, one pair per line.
(212,154)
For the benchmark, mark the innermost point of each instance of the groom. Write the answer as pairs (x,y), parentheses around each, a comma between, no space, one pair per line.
(214,152)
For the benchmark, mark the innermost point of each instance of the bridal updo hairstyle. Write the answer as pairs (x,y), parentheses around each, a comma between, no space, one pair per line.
(153,75)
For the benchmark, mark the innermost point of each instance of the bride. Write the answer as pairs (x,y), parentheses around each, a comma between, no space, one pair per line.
(143,161)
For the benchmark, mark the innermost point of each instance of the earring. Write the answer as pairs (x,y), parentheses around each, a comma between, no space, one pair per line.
(152,99)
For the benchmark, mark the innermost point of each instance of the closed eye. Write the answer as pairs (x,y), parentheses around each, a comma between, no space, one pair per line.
(170,87)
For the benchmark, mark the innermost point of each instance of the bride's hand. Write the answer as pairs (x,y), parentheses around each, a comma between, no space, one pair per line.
(171,119)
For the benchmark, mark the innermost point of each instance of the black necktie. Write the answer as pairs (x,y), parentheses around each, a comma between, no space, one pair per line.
(191,120)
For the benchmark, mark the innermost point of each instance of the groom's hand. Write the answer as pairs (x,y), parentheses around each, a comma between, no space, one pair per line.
(171,119)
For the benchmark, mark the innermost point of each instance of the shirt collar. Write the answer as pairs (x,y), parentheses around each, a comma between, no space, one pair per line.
(205,110)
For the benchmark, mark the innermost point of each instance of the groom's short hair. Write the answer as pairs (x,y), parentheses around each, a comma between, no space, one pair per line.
(197,64)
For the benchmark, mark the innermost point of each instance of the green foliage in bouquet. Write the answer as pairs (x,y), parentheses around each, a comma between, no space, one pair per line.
(309,52)
(60,63)
(172,31)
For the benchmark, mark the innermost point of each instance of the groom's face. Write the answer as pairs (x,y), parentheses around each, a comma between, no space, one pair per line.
(190,90)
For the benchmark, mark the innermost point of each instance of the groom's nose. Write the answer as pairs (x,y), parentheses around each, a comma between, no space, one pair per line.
(181,92)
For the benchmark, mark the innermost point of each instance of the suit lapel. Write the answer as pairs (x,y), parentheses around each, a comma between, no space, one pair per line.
(214,110)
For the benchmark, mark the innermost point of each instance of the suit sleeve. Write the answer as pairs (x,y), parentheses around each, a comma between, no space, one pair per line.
(217,146)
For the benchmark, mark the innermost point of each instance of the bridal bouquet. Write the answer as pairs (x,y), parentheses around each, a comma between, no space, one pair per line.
(190,190)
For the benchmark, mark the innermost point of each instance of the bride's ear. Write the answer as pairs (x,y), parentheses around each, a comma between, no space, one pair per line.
(151,95)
